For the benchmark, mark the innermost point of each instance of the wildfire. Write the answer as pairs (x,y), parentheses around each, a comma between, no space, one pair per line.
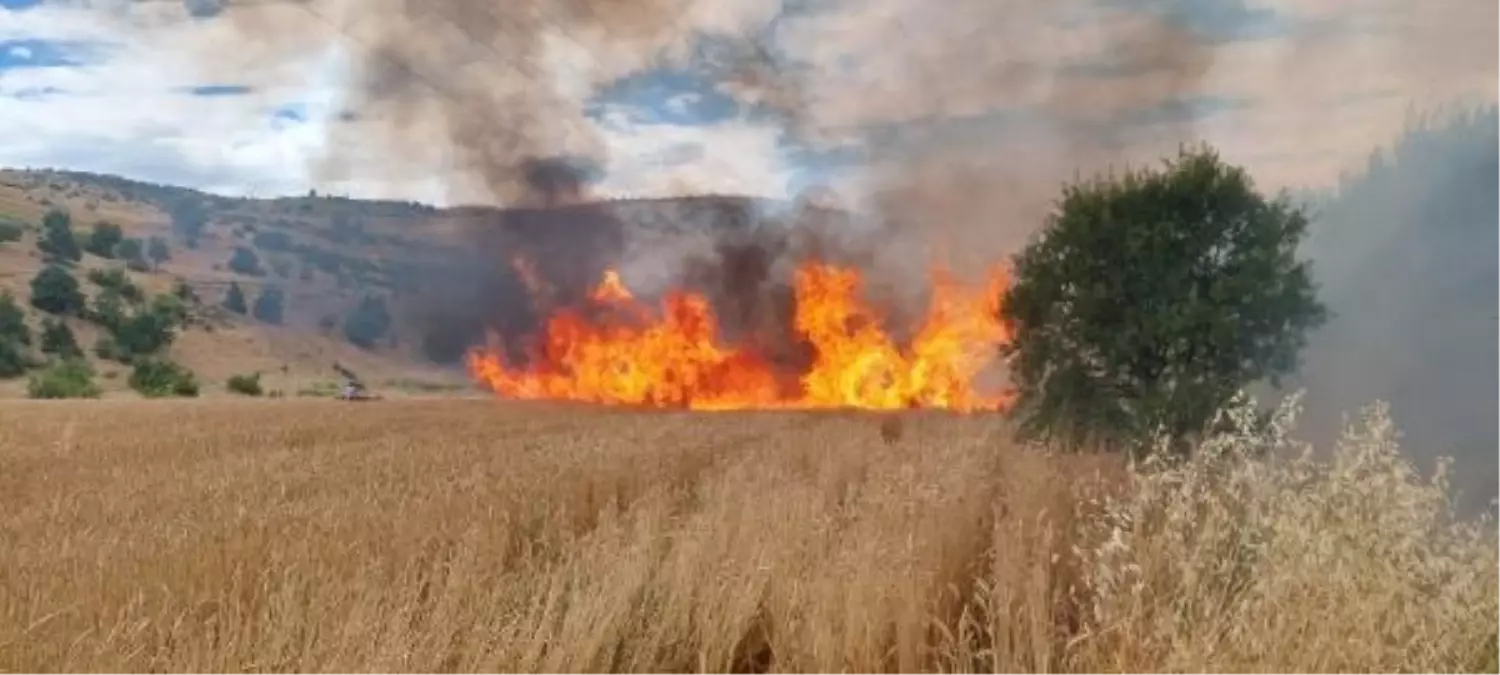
(619,350)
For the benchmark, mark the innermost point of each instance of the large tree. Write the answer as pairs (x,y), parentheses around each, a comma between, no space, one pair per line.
(1150,298)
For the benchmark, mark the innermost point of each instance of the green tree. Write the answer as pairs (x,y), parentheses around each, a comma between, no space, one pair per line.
(369,322)
(189,219)
(13,320)
(244,261)
(268,307)
(58,339)
(234,299)
(1149,299)
(143,334)
(116,279)
(158,250)
(108,309)
(133,252)
(13,360)
(55,291)
(103,239)
(57,241)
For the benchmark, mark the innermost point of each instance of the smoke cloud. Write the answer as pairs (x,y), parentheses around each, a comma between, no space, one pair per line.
(1405,252)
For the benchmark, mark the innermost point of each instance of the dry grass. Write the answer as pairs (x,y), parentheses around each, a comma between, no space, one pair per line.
(469,535)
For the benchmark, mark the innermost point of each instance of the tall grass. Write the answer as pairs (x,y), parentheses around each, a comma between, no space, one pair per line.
(460,536)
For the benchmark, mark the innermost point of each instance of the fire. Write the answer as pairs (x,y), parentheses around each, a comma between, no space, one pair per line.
(618,350)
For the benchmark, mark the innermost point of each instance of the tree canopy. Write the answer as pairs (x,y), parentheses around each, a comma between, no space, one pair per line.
(1151,297)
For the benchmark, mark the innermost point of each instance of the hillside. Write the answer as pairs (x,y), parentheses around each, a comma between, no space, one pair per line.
(322,272)
(439,276)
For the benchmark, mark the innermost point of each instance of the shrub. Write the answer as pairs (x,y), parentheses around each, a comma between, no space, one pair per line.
(13,320)
(234,299)
(134,254)
(268,307)
(103,239)
(67,378)
(116,279)
(13,361)
(143,334)
(1204,562)
(57,242)
(55,291)
(248,385)
(184,292)
(158,250)
(58,339)
(108,310)
(244,261)
(159,378)
(368,323)
(11,231)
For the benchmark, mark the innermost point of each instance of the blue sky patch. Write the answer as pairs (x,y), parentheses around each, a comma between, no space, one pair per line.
(18,5)
(30,53)
(666,96)
(1215,21)
(288,116)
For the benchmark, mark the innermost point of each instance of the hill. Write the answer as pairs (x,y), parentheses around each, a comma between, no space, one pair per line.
(395,290)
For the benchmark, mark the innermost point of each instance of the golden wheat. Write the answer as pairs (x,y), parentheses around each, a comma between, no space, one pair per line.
(472,535)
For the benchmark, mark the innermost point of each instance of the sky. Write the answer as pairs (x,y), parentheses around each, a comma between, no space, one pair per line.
(262,99)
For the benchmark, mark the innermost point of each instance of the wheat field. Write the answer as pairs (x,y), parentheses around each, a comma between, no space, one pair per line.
(472,535)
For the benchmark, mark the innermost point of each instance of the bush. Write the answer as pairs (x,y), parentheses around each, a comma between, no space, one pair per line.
(103,239)
(189,220)
(143,334)
(57,339)
(1203,562)
(117,280)
(158,250)
(68,378)
(11,231)
(108,310)
(13,320)
(268,307)
(244,261)
(13,360)
(184,292)
(134,254)
(160,378)
(248,385)
(234,299)
(105,348)
(55,291)
(368,323)
(57,242)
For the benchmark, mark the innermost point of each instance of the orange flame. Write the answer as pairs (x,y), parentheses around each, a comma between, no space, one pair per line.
(676,358)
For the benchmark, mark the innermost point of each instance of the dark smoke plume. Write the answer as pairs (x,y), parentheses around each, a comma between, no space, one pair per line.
(1406,254)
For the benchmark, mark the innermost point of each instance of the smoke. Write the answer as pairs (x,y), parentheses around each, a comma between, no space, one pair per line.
(1405,253)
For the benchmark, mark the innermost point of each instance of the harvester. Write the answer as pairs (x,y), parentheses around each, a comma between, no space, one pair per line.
(354,388)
